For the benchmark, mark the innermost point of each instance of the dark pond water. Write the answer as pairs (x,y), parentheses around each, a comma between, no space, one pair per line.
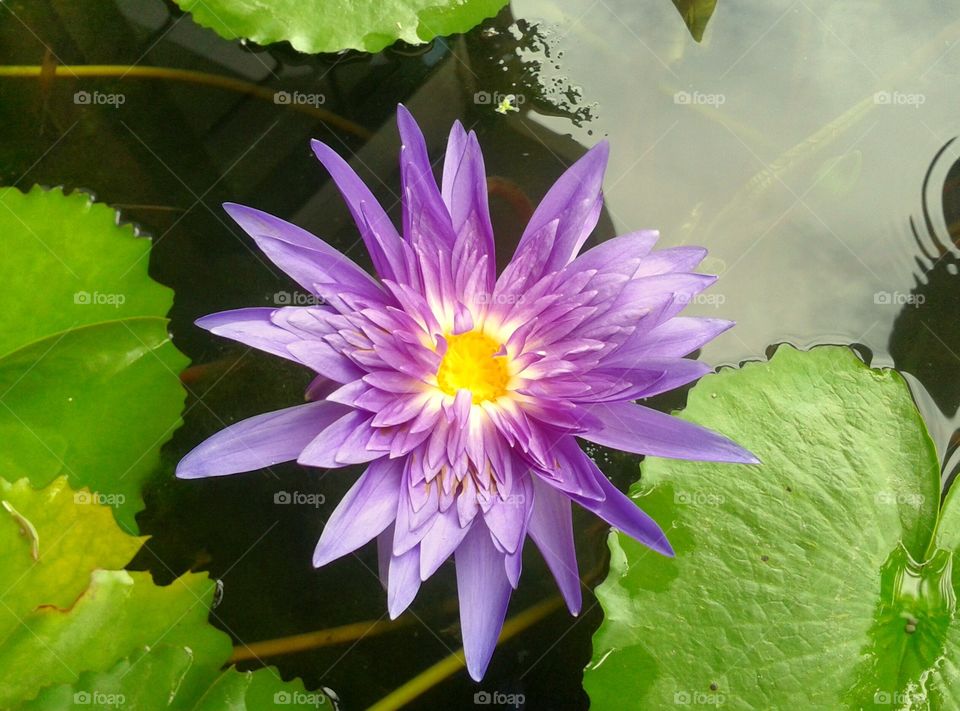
(806,144)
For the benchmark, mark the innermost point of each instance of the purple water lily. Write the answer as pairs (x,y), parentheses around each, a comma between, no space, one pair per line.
(465,390)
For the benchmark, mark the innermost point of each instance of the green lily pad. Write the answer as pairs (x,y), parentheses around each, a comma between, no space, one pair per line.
(88,375)
(313,26)
(696,14)
(815,580)
(73,632)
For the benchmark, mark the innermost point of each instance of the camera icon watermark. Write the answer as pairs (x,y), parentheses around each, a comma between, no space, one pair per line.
(86,498)
(698,498)
(892,498)
(295,298)
(298,98)
(299,498)
(500,299)
(899,98)
(900,699)
(86,298)
(99,98)
(501,103)
(99,699)
(699,98)
(712,299)
(898,298)
(299,698)
(498,698)
(699,698)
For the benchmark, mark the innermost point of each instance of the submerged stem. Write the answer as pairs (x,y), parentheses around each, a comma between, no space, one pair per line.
(218,81)
(312,640)
(433,675)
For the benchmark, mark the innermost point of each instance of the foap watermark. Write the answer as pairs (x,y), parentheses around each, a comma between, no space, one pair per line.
(896,498)
(498,698)
(714,300)
(295,298)
(99,699)
(899,98)
(299,498)
(99,98)
(699,98)
(298,98)
(698,498)
(500,299)
(501,103)
(97,298)
(699,698)
(84,498)
(898,298)
(900,699)
(299,698)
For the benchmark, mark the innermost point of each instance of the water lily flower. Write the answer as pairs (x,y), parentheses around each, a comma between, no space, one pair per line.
(466,390)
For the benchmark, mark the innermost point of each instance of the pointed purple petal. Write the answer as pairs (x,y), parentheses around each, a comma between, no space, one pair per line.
(578,186)
(403,581)
(306,258)
(465,195)
(574,473)
(561,223)
(613,252)
(342,442)
(441,541)
(260,441)
(325,360)
(365,511)
(680,336)
(484,592)
(320,387)
(384,552)
(378,233)
(638,429)
(648,377)
(251,327)
(623,514)
(674,259)
(551,528)
(513,564)
(507,519)
(425,217)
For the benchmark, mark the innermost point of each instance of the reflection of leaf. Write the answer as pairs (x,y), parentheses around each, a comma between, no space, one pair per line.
(333,25)
(696,14)
(796,583)
(87,370)
(78,631)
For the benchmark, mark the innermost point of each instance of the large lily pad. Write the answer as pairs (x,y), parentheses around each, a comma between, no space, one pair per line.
(332,25)
(74,632)
(812,581)
(88,375)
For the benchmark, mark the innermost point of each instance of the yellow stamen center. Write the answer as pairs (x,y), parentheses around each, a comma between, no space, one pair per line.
(470,364)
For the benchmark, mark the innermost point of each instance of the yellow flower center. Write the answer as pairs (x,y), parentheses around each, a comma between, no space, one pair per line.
(470,364)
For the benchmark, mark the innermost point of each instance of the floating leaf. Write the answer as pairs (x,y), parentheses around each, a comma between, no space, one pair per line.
(73,632)
(696,14)
(812,581)
(88,375)
(332,25)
